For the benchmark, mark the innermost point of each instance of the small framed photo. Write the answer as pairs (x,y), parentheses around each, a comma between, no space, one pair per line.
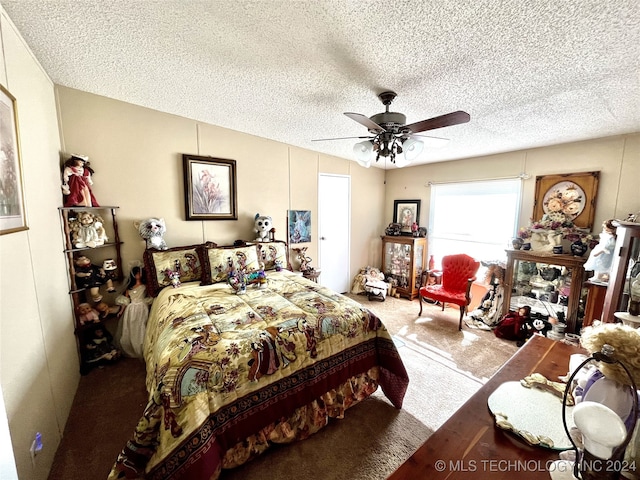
(405,212)
(210,191)
(299,224)
(12,214)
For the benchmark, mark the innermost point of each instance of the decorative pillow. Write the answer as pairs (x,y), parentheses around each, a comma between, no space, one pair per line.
(272,253)
(216,261)
(156,262)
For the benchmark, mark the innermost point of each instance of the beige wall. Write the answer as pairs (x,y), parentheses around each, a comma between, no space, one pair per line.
(38,359)
(616,158)
(137,157)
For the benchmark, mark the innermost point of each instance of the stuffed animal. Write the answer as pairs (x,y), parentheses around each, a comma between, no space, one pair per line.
(152,230)
(87,230)
(91,277)
(262,225)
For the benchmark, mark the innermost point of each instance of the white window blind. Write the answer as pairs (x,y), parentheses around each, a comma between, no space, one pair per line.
(476,218)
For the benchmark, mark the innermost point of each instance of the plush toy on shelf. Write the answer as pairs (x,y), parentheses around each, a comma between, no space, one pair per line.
(87,230)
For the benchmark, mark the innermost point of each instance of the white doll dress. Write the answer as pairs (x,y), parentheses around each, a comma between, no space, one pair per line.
(133,323)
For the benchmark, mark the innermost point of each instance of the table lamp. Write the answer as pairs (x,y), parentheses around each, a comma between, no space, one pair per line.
(605,436)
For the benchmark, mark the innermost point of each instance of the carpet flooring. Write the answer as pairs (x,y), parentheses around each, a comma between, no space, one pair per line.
(445,365)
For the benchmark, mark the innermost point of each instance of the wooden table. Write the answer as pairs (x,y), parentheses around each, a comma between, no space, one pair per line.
(469,445)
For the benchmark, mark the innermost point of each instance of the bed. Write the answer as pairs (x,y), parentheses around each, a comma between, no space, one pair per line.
(230,374)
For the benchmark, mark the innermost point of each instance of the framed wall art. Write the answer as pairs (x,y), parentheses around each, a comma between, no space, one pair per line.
(573,194)
(405,212)
(210,191)
(299,224)
(12,213)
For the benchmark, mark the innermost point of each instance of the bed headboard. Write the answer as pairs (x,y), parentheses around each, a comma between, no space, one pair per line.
(209,262)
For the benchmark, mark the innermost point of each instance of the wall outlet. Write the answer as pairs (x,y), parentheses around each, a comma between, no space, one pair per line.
(36,447)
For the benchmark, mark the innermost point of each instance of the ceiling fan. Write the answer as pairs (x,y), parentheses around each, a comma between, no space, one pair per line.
(390,135)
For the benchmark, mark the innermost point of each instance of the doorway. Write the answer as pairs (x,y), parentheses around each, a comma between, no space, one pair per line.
(334,222)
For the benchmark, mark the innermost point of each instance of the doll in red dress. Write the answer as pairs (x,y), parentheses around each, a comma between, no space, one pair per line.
(76,183)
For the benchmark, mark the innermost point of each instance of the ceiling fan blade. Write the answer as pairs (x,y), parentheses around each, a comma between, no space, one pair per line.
(339,138)
(366,121)
(432,142)
(453,118)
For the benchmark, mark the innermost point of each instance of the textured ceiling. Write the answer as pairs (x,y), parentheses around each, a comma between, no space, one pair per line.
(530,73)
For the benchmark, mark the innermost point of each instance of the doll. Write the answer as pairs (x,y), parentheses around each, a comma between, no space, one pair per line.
(76,182)
(515,325)
(91,277)
(132,326)
(105,310)
(87,314)
(98,348)
(599,260)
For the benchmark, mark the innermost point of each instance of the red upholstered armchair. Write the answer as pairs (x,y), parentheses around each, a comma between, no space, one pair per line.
(458,273)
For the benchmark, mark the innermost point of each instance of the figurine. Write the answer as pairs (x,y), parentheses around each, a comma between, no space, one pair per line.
(305,262)
(77,181)
(600,258)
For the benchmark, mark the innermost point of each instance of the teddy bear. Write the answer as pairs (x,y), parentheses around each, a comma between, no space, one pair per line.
(262,225)
(87,230)
(152,230)
(91,277)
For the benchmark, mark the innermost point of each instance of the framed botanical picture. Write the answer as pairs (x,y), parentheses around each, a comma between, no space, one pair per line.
(405,212)
(299,225)
(12,214)
(572,194)
(210,191)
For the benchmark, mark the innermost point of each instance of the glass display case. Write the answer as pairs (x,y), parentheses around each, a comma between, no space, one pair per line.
(625,268)
(403,260)
(551,284)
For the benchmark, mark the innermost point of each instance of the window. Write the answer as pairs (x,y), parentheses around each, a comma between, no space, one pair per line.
(476,218)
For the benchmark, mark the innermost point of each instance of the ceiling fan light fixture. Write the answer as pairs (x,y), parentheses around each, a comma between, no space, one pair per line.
(412,148)
(363,152)
(401,161)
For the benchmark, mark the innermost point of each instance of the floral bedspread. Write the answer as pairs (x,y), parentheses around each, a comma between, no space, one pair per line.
(222,367)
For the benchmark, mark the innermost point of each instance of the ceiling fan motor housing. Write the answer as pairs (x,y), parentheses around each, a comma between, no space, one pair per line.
(390,121)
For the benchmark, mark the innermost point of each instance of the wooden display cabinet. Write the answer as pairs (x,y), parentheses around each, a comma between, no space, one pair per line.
(403,259)
(625,259)
(526,283)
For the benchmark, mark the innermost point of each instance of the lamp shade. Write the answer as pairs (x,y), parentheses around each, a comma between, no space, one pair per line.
(401,161)
(412,148)
(601,428)
(363,152)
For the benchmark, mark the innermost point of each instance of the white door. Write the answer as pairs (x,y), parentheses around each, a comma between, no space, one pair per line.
(334,209)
